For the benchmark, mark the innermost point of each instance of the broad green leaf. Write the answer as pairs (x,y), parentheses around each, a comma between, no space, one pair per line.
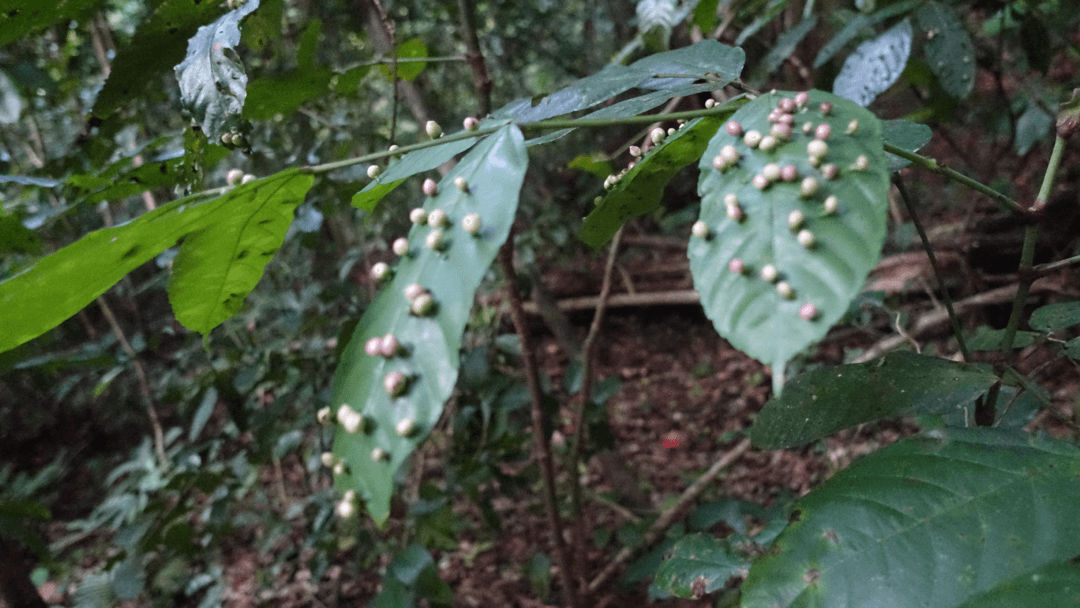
(986,338)
(640,189)
(1052,585)
(284,93)
(699,564)
(910,136)
(823,401)
(11,102)
(1054,317)
(219,265)
(263,27)
(157,45)
(770,12)
(72,277)
(16,238)
(418,161)
(1032,127)
(409,70)
(308,47)
(20,17)
(494,171)
(705,15)
(708,58)
(875,65)
(785,45)
(1072,349)
(213,83)
(599,167)
(123,178)
(948,48)
(748,311)
(929,522)
(858,24)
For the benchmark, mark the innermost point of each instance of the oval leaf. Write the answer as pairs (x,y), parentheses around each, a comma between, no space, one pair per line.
(928,522)
(640,189)
(910,136)
(213,83)
(1054,317)
(417,161)
(698,564)
(859,23)
(875,65)
(218,266)
(948,48)
(823,401)
(494,171)
(748,311)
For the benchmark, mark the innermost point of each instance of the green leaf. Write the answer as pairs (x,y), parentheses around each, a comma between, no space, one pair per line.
(823,401)
(699,564)
(1072,349)
(857,25)
(1055,317)
(875,65)
(1052,585)
(589,163)
(283,94)
(910,136)
(785,45)
(16,238)
(418,161)
(770,12)
(158,44)
(219,265)
(987,338)
(494,171)
(948,48)
(20,17)
(1032,127)
(705,15)
(213,83)
(410,49)
(748,311)
(123,178)
(639,190)
(928,522)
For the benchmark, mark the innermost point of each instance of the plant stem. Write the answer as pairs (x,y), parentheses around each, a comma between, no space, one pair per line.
(588,359)
(953,320)
(1027,257)
(481,79)
(939,168)
(1051,266)
(540,438)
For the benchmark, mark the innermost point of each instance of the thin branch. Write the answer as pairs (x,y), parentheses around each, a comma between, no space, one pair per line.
(540,438)
(953,320)
(588,374)
(481,79)
(954,175)
(671,514)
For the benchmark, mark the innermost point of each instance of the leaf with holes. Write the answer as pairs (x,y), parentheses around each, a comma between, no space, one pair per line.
(823,401)
(219,265)
(640,189)
(698,564)
(875,65)
(427,359)
(821,263)
(20,17)
(937,521)
(948,48)
(213,83)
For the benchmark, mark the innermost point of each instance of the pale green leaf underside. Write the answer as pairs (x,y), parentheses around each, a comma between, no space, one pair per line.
(494,171)
(412,163)
(748,311)
(948,48)
(857,25)
(823,401)
(697,556)
(929,522)
(218,266)
(875,65)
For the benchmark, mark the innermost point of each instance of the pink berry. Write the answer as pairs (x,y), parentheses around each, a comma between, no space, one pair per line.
(736,265)
(789,173)
(786,105)
(807,312)
(395,383)
(822,131)
(781,130)
(373,347)
(430,188)
(787,119)
(774,116)
(389,346)
(801,98)
(830,171)
(825,107)
(733,128)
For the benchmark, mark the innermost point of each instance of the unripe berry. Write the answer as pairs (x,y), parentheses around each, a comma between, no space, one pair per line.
(378,454)
(807,127)
(831,204)
(830,171)
(852,126)
(345,509)
(808,312)
(380,271)
(780,130)
(395,383)
(710,102)
(817,148)
(700,230)
(671,131)
(862,163)
(373,347)
(323,415)
(718,163)
(736,266)
(353,421)
(768,143)
(806,238)
(400,246)
(808,187)
(327,459)
(752,138)
(430,188)
(771,172)
(405,427)
(423,305)
(413,291)
(735,213)
(344,412)
(795,219)
(394,148)
(635,151)
(729,154)
(389,346)
(234,176)
(247,179)
(769,273)
(437,218)
(733,128)
(435,240)
(418,216)
(731,199)
(784,289)
(470,123)
(657,135)
(433,129)
(471,223)
(760,182)
(339,468)
(461,184)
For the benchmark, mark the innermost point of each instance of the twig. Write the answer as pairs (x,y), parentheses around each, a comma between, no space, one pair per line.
(940,168)
(957,330)
(626,300)
(481,79)
(588,372)
(388,27)
(669,516)
(540,438)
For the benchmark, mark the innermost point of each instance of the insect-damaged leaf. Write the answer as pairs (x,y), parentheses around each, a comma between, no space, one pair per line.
(493,172)
(875,65)
(698,564)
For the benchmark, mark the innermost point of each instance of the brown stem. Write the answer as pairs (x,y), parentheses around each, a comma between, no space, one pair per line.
(588,363)
(670,515)
(388,27)
(481,79)
(540,438)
